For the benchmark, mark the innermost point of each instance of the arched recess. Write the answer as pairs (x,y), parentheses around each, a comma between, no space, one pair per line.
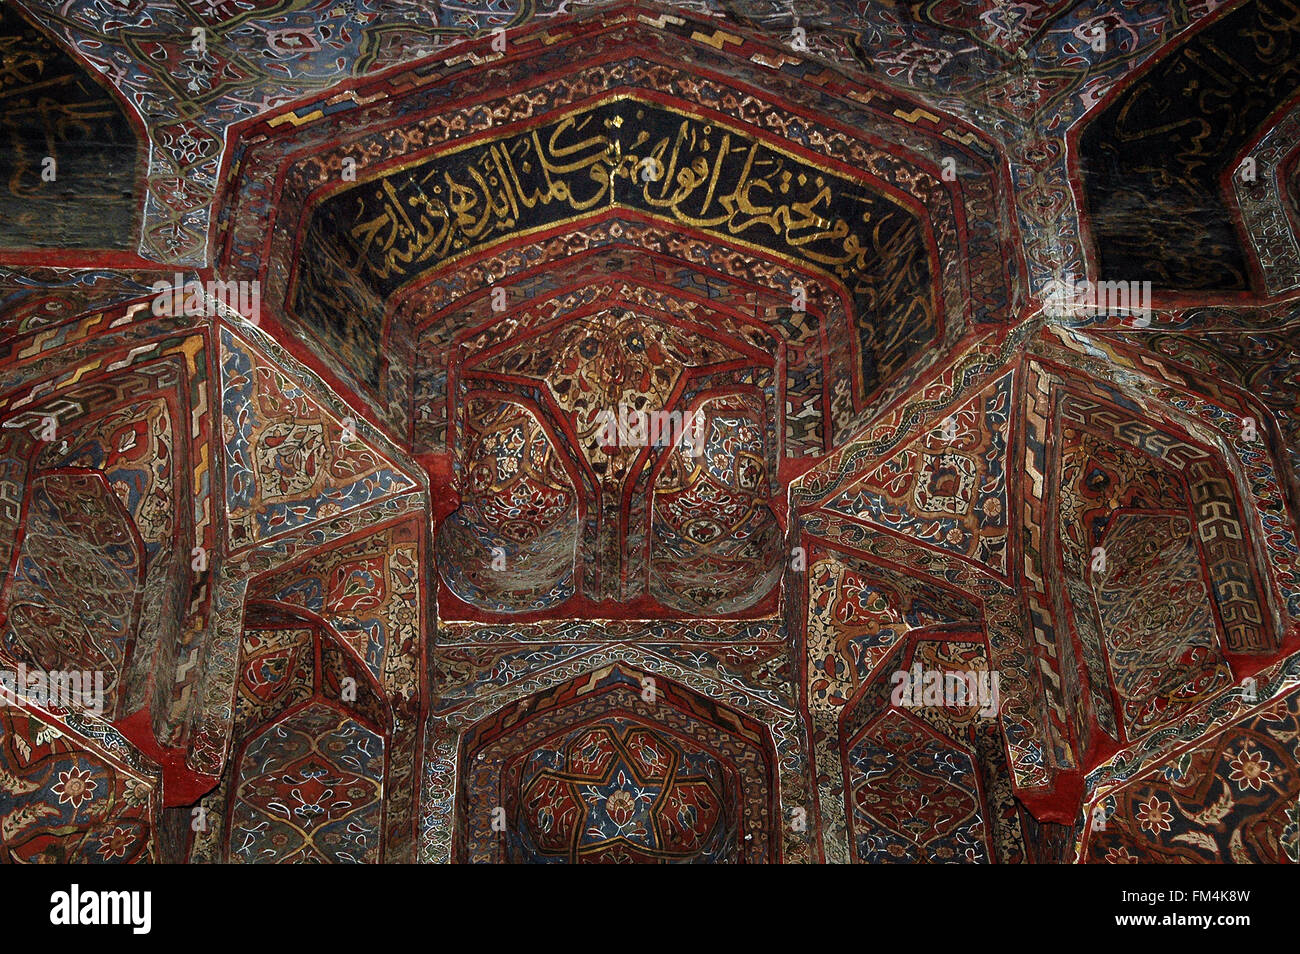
(73,160)
(617,764)
(619,381)
(859,614)
(72,603)
(1246,424)
(308,789)
(624,86)
(89,535)
(1243,360)
(612,388)
(1155,179)
(130,432)
(513,542)
(715,545)
(925,771)
(305,782)
(889,326)
(1153,574)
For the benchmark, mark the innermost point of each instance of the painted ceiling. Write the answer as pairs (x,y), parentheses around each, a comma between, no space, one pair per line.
(549,432)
